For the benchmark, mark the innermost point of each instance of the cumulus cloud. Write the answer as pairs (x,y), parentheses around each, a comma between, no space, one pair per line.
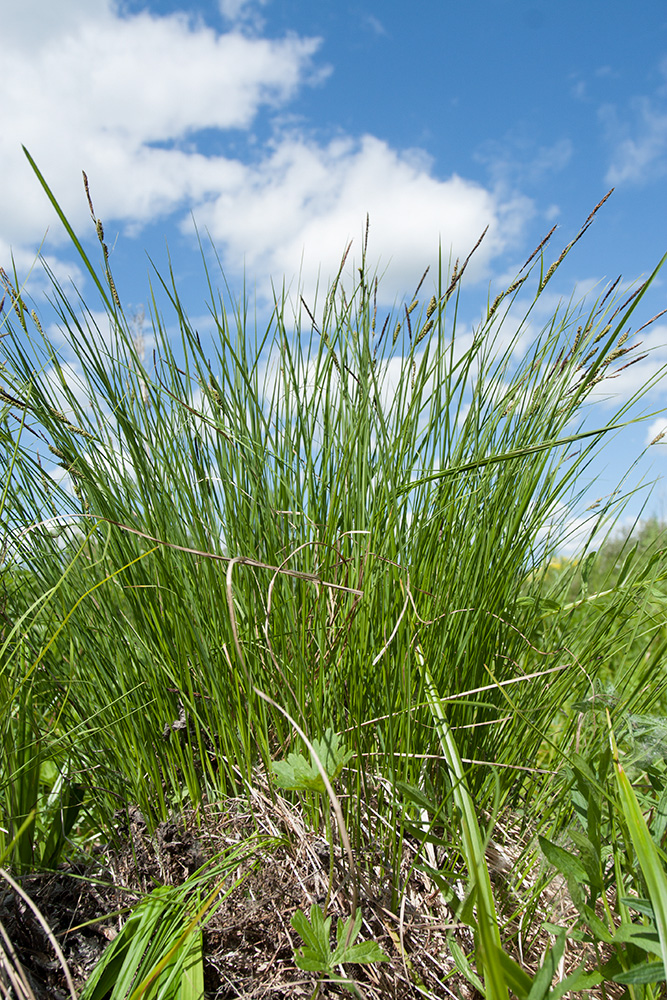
(134,99)
(296,211)
(115,95)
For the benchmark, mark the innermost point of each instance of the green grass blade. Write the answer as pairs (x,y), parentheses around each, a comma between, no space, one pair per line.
(489,944)
(70,232)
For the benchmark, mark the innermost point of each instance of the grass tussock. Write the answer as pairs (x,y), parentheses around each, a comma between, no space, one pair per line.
(324,556)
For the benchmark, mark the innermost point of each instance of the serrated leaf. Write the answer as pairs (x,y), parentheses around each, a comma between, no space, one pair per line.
(363,954)
(296,775)
(333,756)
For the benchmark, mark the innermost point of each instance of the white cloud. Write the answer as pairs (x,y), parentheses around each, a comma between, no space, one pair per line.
(640,152)
(243,12)
(29,24)
(101,90)
(25,263)
(305,202)
(622,382)
(127,97)
(516,159)
(639,137)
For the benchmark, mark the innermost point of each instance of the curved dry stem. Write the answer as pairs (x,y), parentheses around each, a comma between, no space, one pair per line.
(45,927)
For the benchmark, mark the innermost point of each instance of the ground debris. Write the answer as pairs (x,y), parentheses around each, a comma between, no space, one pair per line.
(249,943)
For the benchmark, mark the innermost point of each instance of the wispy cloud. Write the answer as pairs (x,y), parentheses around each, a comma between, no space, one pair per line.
(244,13)
(638,136)
(517,160)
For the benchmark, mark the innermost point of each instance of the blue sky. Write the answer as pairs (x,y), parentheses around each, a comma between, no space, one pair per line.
(278,124)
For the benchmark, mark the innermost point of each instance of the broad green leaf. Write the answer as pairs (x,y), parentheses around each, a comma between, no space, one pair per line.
(488,934)
(490,952)
(296,774)
(545,974)
(314,931)
(299,775)
(640,935)
(332,754)
(586,568)
(641,905)
(363,954)
(417,797)
(645,972)
(589,858)
(516,978)
(311,961)
(566,862)
(627,563)
(646,571)
(578,980)
(192,975)
(118,966)
(598,927)
(348,930)
(463,965)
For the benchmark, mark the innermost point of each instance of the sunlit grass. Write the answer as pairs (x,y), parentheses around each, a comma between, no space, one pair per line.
(312,510)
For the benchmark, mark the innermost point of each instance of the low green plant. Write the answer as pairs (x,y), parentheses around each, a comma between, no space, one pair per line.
(296,773)
(496,973)
(317,955)
(614,869)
